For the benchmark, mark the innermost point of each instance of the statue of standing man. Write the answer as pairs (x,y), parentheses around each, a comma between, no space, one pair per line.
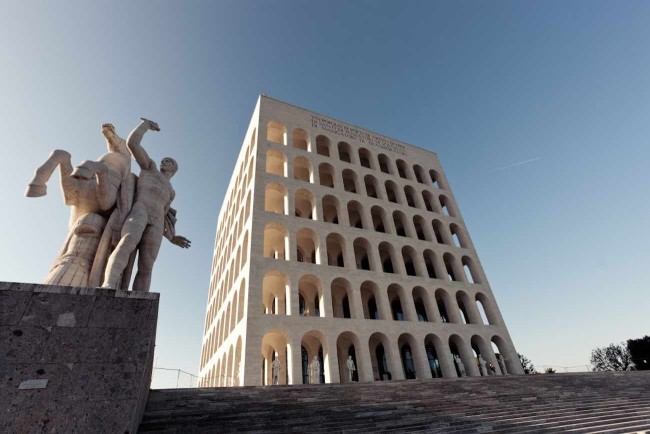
(351,368)
(314,373)
(150,218)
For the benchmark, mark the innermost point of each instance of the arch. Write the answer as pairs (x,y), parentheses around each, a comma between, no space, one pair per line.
(383,364)
(276,132)
(378,216)
(420,174)
(300,139)
(462,301)
(407,347)
(315,345)
(436,179)
(371,185)
(408,256)
(446,206)
(330,209)
(403,169)
(486,309)
(397,302)
(384,164)
(348,345)
(349,181)
(275,343)
(443,301)
(276,162)
(365,158)
(302,169)
(422,302)
(400,223)
(458,236)
(432,346)
(345,152)
(419,225)
(335,248)
(275,198)
(326,175)
(471,270)
(370,299)
(429,262)
(487,366)
(508,356)
(411,196)
(387,257)
(361,254)
(242,297)
(355,214)
(304,204)
(430,202)
(342,301)
(307,246)
(323,145)
(239,371)
(276,241)
(439,232)
(460,349)
(391,191)
(310,291)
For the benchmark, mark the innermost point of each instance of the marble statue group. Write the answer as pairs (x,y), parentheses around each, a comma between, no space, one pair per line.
(114,214)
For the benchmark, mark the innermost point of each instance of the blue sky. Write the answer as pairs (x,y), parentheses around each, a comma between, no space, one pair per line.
(563,238)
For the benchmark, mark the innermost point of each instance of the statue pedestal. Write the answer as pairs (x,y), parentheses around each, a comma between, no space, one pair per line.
(74,359)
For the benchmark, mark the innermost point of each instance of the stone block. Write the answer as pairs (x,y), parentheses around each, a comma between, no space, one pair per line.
(23,343)
(120,313)
(45,309)
(12,306)
(77,345)
(93,381)
(131,345)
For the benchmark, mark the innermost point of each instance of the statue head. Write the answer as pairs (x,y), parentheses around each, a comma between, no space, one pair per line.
(168,166)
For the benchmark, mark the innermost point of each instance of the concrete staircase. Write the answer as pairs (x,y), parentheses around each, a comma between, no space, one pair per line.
(545,403)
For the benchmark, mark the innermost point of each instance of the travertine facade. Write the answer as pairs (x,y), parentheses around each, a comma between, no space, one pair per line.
(334,241)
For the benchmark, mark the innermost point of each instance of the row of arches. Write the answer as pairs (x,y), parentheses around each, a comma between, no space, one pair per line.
(372,302)
(227,371)
(363,255)
(378,358)
(349,181)
(300,139)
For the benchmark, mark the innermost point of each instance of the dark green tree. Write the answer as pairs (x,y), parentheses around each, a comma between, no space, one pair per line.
(550,371)
(640,352)
(611,358)
(528,366)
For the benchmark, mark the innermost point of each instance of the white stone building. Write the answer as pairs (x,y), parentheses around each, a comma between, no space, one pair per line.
(334,241)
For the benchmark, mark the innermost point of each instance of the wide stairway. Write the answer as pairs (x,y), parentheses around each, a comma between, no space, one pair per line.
(544,403)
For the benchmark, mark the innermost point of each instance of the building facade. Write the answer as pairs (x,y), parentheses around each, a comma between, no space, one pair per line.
(336,243)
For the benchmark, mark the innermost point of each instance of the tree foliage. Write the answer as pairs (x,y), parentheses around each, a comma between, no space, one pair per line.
(528,366)
(640,352)
(550,371)
(611,358)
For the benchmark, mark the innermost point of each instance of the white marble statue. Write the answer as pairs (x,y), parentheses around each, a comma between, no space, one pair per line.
(351,368)
(151,216)
(314,371)
(461,366)
(482,366)
(276,369)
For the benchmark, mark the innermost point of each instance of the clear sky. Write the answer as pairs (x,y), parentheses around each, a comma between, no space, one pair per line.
(563,86)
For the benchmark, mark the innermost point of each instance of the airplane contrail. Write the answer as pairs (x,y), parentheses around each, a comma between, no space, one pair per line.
(514,165)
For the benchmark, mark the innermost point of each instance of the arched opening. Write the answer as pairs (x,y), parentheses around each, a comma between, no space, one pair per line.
(484,358)
(361,252)
(275,293)
(341,298)
(369,296)
(395,298)
(302,170)
(276,163)
(384,163)
(420,174)
(430,343)
(429,201)
(439,232)
(387,257)
(421,302)
(407,345)
(429,262)
(419,224)
(458,236)
(314,344)
(326,175)
(486,309)
(461,299)
(378,219)
(507,358)
(275,198)
(347,345)
(391,191)
(349,181)
(470,269)
(462,357)
(365,158)
(450,263)
(305,205)
(408,256)
(335,249)
(436,179)
(300,139)
(345,152)
(411,195)
(276,241)
(442,301)
(355,211)
(446,206)
(400,223)
(310,296)
(402,169)
(275,345)
(237,366)
(330,209)
(276,132)
(371,186)
(382,366)
(323,145)
(307,246)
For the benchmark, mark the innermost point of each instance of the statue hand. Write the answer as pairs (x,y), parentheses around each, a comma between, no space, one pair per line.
(150,124)
(181,242)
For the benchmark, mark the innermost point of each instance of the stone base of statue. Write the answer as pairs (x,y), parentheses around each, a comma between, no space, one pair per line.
(74,360)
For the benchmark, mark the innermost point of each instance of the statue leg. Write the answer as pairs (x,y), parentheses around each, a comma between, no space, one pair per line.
(147,253)
(38,185)
(132,232)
